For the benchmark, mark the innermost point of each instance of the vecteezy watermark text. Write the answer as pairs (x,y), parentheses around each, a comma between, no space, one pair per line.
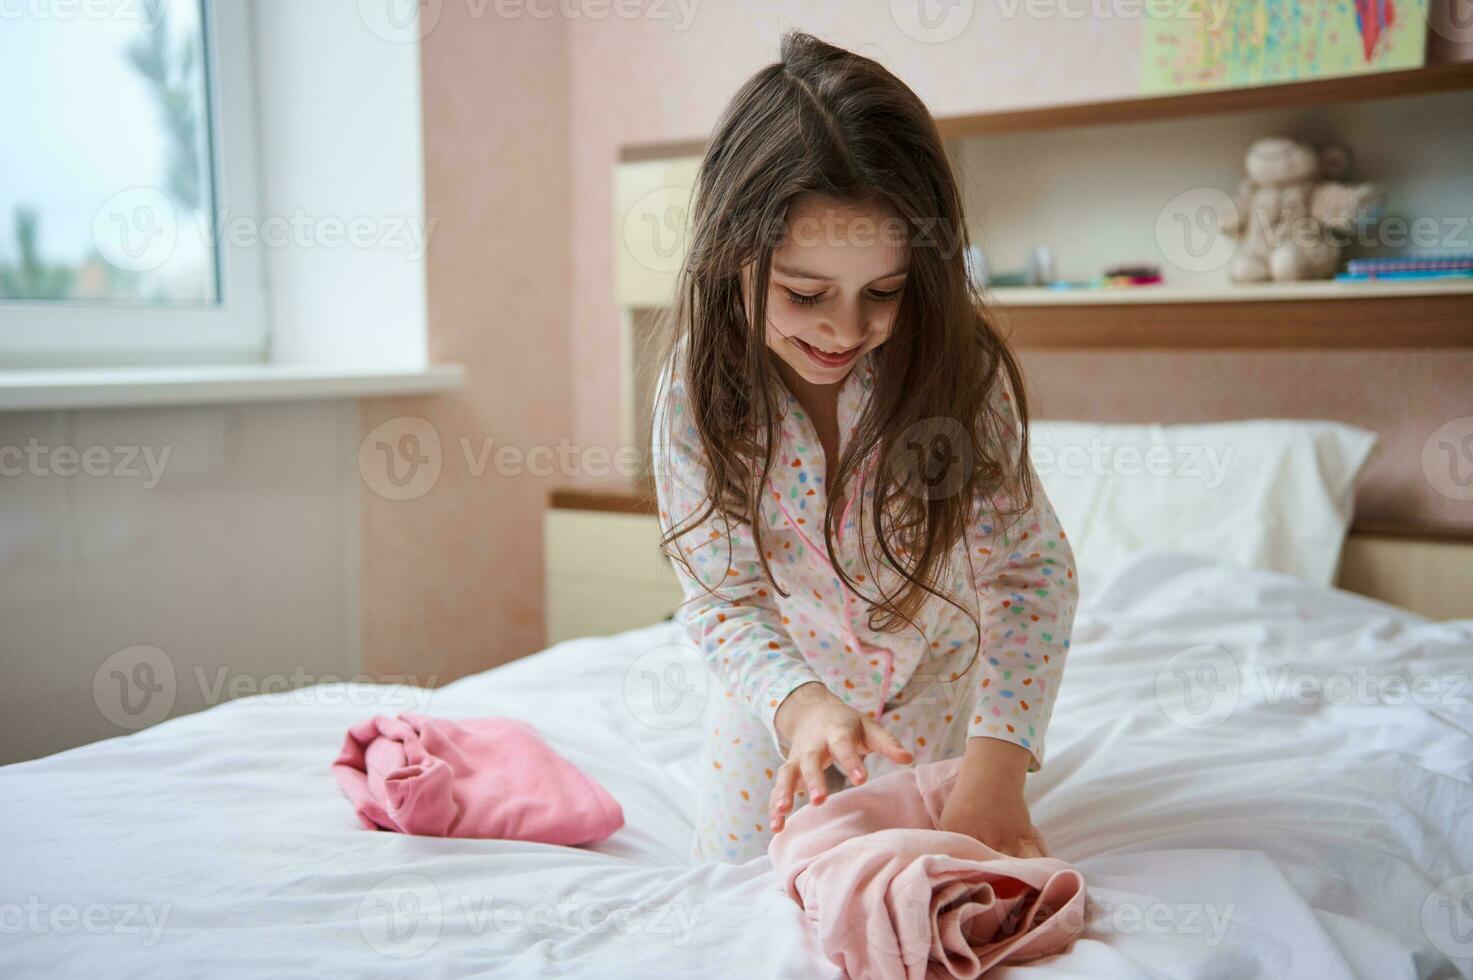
(36,459)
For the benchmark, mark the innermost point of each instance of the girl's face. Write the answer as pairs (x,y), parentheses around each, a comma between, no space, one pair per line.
(834,288)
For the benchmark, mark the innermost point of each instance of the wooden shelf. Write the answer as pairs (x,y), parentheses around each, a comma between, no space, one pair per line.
(1245,292)
(1371,320)
(1272,316)
(631,496)
(1448,77)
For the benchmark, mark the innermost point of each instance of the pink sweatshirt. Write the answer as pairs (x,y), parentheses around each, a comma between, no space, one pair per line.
(762,644)
(890,896)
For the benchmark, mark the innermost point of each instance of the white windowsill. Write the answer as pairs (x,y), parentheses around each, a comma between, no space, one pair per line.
(68,388)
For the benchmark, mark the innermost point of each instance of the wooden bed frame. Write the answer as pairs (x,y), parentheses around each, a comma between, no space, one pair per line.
(1426,571)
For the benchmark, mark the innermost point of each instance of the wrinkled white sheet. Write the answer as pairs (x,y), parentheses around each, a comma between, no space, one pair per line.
(1254,831)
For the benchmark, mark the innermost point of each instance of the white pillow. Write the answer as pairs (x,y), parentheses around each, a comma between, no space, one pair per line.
(1273,494)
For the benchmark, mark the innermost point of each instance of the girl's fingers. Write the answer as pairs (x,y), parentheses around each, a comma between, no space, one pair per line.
(782,795)
(846,757)
(813,776)
(881,741)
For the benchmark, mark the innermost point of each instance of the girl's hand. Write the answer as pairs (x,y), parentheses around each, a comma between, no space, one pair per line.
(822,730)
(1000,821)
(987,801)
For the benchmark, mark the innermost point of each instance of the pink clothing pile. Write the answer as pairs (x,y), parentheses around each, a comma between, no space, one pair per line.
(891,896)
(482,777)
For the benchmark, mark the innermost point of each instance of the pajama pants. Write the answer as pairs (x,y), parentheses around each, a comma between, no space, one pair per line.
(739,763)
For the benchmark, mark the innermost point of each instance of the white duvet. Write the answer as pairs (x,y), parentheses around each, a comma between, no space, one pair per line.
(1257,777)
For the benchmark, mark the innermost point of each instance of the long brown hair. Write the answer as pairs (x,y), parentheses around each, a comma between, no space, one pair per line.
(829,122)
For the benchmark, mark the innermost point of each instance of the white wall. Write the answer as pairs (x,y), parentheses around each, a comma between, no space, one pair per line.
(236,554)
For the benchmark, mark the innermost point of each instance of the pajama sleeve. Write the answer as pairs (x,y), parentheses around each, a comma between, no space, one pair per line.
(1027,590)
(739,631)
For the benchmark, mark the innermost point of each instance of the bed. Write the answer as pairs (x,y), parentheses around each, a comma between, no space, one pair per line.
(1231,766)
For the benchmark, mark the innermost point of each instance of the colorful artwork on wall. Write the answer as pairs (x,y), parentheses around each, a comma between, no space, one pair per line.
(1190,45)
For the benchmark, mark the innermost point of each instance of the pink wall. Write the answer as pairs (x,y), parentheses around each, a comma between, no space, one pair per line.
(452,580)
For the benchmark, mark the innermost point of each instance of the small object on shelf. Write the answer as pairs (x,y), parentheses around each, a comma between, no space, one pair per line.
(1287,218)
(1134,272)
(1405,274)
(1040,266)
(1009,279)
(1131,275)
(1409,263)
(1116,282)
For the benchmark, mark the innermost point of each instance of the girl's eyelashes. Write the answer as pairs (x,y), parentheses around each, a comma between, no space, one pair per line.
(802,299)
(807,299)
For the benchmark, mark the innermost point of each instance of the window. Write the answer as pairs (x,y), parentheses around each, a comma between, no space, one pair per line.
(131,139)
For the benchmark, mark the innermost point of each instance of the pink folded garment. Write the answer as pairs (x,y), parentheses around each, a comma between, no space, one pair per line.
(482,777)
(889,895)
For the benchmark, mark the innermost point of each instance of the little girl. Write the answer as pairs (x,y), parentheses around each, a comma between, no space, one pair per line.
(840,455)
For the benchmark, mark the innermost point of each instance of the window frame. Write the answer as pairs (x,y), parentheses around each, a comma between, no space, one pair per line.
(235,329)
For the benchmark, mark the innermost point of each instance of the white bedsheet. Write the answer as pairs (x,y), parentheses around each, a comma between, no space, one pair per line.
(1292,839)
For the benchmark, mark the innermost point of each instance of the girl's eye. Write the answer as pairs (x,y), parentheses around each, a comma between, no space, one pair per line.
(886,295)
(803,299)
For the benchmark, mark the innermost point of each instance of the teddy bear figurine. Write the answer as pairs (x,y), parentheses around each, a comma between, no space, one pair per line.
(1288,217)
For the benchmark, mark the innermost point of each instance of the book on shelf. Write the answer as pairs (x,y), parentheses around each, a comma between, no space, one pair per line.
(1405,275)
(1410,263)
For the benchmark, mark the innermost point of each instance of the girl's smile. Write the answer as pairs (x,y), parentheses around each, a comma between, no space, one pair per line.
(834,287)
(828,359)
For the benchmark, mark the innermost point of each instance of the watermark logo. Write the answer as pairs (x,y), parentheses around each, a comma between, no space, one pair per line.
(1209,923)
(1198,688)
(136,230)
(35,459)
(400,459)
(39,918)
(1447,459)
(404,457)
(384,692)
(145,13)
(667,687)
(403,233)
(1447,916)
(932,21)
(400,917)
(1189,229)
(932,458)
(135,687)
(1207,464)
(399,21)
(1212,12)
(656,228)
(675,923)
(1451,20)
